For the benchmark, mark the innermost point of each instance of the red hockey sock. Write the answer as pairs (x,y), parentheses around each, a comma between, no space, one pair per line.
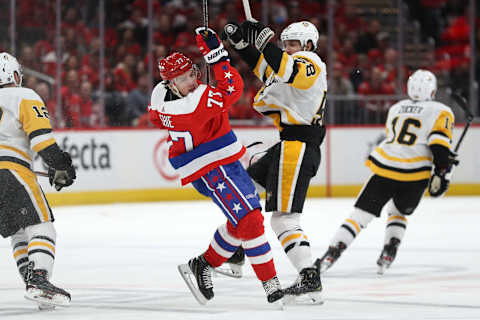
(223,246)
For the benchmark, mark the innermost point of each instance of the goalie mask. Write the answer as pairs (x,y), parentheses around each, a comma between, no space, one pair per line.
(422,85)
(8,67)
(302,31)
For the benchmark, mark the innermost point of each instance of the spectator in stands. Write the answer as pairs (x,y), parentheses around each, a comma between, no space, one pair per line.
(339,84)
(114,103)
(368,39)
(375,111)
(361,72)
(28,59)
(137,101)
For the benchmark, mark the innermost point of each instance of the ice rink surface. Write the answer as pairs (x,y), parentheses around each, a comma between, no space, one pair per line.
(120,262)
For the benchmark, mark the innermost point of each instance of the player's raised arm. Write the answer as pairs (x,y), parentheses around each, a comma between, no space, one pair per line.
(229,82)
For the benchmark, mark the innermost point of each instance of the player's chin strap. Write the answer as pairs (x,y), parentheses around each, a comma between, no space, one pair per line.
(170,85)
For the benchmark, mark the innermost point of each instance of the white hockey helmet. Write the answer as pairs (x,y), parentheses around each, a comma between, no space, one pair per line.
(302,31)
(422,85)
(8,66)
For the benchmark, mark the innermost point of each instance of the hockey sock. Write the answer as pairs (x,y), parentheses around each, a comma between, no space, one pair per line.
(19,243)
(293,239)
(396,223)
(351,227)
(260,255)
(223,245)
(250,229)
(41,245)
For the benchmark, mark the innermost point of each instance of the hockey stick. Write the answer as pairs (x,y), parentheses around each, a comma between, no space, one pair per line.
(205,24)
(248,12)
(41,173)
(462,103)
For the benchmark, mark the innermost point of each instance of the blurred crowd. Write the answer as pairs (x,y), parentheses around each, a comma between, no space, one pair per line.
(364,60)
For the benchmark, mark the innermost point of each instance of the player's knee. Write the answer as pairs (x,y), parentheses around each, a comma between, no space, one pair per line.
(45,229)
(282,221)
(231,229)
(251,226)
(395,210)
(361,217)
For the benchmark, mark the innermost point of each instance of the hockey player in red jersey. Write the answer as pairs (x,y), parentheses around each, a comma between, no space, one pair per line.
(205,151)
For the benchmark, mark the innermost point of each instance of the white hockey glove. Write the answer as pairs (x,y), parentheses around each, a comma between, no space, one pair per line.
(210,46)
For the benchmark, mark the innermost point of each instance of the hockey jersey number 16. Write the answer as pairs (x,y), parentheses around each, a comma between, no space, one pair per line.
(412,126)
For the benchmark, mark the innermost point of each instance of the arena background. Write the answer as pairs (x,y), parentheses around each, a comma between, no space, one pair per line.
(95,63)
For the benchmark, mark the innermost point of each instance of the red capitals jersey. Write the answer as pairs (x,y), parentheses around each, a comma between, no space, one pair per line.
(200,135)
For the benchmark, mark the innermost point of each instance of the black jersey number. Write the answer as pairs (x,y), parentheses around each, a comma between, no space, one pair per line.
(41,112)
(404,136)
(318,117)
(309,67)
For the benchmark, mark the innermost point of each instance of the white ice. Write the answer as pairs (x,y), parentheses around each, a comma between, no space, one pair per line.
(120,262)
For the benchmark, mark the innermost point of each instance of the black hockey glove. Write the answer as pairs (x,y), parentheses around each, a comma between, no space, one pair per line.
(438,184)
(64,177)
(440,180)
(234,35)
(257,34)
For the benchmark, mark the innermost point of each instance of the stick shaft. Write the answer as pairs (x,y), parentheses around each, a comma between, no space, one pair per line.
(41,174)
(205,24)
(248,12)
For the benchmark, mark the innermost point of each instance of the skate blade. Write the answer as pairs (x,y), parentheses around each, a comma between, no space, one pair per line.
(46,302)
(231,270)
(187,276)
(311,298)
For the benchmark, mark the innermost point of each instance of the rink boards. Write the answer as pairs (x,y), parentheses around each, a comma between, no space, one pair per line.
(129,165)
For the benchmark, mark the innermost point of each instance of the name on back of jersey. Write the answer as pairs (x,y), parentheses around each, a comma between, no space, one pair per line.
(166,121)
(410,109)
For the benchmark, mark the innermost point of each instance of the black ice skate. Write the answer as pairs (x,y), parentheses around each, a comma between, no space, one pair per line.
(199,269)
(273,289)
(40,290)
(331,256)
(307,285)
(233,266)
(388,254)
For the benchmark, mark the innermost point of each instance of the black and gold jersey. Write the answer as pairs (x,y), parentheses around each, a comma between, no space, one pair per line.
(24,127)
(294,90)
(411,128)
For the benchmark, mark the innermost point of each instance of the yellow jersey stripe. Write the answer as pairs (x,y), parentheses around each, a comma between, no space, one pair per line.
(44,144)
(444,123)
(290,162)
(291,237)
(31,180)
(20,152)
(397,218)
(302,79)
(381,152)
(354,223)
(41,244)
(283,64)
(440,142)
(19,252)
(256,70)
(395,175)
(31,118)
(290,119)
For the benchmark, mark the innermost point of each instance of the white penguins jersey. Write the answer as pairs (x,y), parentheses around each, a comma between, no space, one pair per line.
(296,94)
(411,127)
(24,127)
